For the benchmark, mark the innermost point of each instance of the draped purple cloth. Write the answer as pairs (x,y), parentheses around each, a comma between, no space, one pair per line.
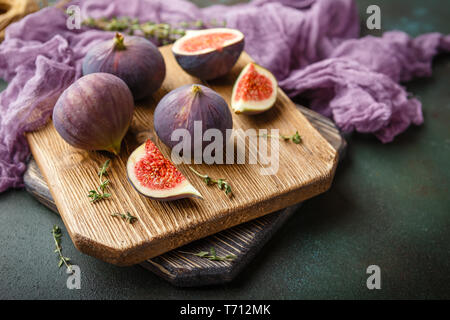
(311,46)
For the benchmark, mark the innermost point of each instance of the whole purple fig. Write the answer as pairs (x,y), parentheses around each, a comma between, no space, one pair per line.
(133,59)
(190,107)
(94,113)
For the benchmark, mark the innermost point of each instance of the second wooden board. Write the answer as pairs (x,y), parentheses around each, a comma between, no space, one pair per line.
(305,170)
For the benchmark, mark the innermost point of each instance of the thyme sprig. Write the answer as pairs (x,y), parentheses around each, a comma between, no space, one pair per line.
(57,234)
(221,183)
(163,33)
(211,255)
(99,194)
(295,138)
(127,217)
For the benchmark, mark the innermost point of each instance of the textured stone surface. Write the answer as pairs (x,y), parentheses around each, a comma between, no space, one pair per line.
(388,206)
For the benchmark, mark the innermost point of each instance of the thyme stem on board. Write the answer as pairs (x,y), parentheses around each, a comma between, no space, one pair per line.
(100,194)
(221,183)
(127,217)
(295,138)
(57,234)
(211,255)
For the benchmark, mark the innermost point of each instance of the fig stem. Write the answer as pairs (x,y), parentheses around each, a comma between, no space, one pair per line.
(114,148)
(196,89)
(118,42)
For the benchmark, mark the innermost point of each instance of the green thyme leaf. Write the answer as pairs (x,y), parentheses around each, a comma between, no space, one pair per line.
(202,254)
(295,138)
(104,184)
(211,255)
(207,180)
(102,171)
(227,189)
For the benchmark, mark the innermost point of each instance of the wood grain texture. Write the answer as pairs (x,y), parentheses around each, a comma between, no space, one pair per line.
(244,241)
(305,171)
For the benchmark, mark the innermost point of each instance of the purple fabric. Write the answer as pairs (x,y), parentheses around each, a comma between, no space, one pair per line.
(310,45)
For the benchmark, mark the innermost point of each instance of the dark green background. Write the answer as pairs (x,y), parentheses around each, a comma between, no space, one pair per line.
(389,206)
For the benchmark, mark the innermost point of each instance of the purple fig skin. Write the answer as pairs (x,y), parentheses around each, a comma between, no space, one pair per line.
(94,113)
(211,65)
(181,107)
(136,61)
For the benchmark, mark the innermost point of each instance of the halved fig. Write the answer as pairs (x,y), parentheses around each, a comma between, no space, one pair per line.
(154,176)
(254,91)
(209,54)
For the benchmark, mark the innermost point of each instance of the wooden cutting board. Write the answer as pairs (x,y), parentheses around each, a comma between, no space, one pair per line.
(244,241)
(305,170)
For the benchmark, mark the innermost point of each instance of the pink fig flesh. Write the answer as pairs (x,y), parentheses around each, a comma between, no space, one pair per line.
(209,54)
(255,90)
(154,176)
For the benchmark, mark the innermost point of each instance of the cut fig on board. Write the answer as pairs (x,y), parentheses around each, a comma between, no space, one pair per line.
(208,54)
(154,176)
(254,91)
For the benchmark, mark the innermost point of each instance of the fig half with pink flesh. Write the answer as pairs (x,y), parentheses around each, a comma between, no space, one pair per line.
(255,90)
(208,54)
(156,177)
